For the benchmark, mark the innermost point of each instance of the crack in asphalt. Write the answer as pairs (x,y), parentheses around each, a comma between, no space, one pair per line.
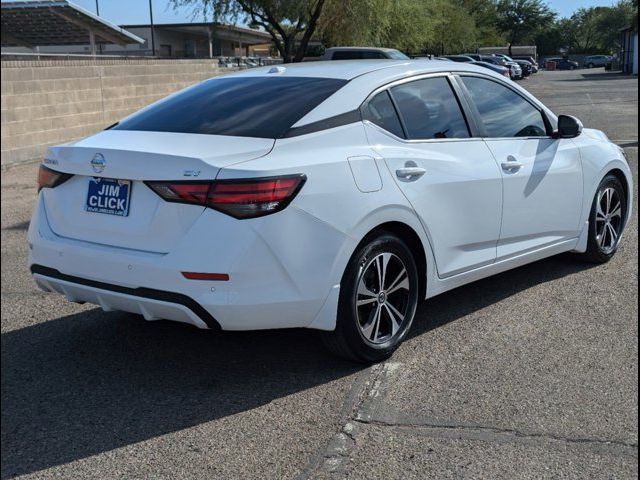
(329,457)
(367,395)
(498,431)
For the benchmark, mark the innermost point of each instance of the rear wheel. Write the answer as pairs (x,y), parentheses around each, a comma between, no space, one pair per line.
(607,220)
(378,301)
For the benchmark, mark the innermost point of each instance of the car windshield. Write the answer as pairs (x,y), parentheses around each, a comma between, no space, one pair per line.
(260,107)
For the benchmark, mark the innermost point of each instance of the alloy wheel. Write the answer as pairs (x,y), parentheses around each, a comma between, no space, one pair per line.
(609,220)
(382,298)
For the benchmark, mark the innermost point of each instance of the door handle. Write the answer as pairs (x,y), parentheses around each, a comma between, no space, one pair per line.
(512,166)
(410,173)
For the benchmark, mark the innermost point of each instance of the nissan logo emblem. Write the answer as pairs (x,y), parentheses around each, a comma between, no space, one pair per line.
(98,163)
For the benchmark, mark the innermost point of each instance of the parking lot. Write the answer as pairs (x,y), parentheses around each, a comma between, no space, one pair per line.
(530,374)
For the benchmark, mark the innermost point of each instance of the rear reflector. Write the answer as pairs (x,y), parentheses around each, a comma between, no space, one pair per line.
(217,277)
(249,198)
(48,178)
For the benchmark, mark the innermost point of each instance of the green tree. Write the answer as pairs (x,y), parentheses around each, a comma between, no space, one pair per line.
(519,19)
(611,21)
(455,29)
(291,23)
(404,24)
(582,30)
(552,38)
(485,15)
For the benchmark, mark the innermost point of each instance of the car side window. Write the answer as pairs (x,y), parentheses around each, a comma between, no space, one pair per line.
(430,109)
(504,113)
(380,110)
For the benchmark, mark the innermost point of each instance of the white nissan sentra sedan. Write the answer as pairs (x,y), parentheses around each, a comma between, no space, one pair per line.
(330,196)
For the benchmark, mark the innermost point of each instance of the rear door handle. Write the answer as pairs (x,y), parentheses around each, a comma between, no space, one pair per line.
(410,173)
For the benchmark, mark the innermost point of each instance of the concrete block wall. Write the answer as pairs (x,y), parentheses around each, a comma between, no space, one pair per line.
(48,102)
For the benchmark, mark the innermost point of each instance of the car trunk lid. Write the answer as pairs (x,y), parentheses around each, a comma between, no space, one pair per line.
(149,223)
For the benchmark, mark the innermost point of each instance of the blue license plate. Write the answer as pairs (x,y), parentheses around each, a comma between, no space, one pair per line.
(108,195)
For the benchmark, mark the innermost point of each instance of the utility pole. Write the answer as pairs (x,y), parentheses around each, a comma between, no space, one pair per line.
(153,39)
(98,14)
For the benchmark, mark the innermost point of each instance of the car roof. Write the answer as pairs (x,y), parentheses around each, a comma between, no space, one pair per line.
(367,49)
(363,77)
(343,70)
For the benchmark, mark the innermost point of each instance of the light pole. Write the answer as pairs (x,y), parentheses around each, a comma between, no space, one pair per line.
(98,14)
(153,39)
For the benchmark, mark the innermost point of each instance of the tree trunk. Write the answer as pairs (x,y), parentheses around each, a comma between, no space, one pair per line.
(311,28)
(287,54)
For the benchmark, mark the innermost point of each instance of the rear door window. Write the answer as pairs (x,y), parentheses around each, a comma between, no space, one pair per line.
(430,109)
(261,107)
(380,110)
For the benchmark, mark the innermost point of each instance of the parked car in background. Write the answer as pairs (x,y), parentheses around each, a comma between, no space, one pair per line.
(499,69)
(363,53)
(564,63)
(527,68)
(504,71)
(460,58)
(596,61)
(331,197)
(531,60)
(524,65)
(514,68)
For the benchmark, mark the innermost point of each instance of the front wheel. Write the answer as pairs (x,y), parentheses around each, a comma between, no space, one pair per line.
(378,301)
(607,220)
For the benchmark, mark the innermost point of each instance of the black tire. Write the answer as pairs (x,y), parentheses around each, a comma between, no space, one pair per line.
(348,339)
(595,252)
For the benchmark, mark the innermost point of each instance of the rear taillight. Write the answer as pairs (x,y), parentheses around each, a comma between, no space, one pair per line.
(48,178)
(247,198)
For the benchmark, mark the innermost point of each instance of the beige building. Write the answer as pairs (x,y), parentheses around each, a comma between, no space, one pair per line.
(61,27)
(198,40)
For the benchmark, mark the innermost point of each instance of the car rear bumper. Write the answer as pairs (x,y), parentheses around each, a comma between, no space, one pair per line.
(282,269)
(151,304)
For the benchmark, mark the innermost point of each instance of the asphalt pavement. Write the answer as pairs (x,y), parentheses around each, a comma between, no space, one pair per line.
(529,374)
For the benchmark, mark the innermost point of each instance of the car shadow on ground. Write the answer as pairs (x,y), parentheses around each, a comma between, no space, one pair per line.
(94,381)
(595,76)
(467,299)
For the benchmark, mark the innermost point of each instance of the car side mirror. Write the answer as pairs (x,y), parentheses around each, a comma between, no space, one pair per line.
(568,127)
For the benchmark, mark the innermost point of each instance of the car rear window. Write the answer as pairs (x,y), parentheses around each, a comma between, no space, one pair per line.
(236,106)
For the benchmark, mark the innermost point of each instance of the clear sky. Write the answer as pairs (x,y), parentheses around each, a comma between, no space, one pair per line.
(124,12)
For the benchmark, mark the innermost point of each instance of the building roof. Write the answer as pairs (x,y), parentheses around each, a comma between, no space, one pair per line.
(30,23)
(226,32)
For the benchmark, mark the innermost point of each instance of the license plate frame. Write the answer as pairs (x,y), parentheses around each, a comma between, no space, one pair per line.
(108,196)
